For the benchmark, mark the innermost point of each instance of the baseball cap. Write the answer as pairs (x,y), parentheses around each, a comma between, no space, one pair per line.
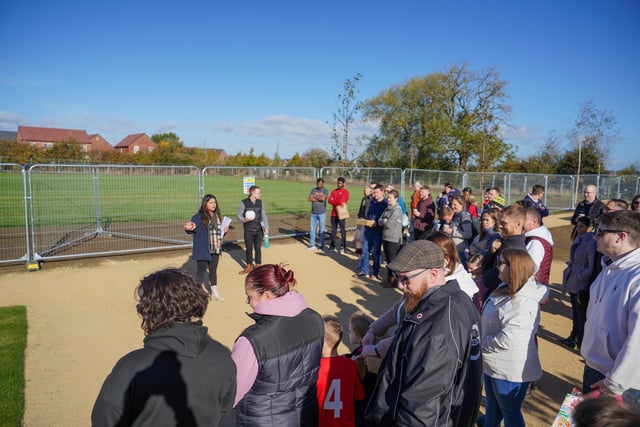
(418,254)
(498,201)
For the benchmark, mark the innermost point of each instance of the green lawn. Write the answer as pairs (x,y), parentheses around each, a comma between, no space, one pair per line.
(76,199)
(13,340)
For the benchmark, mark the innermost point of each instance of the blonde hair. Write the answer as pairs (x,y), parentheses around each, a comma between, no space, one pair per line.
(332,331)
(359,323)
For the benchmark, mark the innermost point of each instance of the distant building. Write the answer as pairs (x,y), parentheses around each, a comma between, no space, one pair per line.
(6,135)
(136,143)
(47,137)
(220,152)
(98,143)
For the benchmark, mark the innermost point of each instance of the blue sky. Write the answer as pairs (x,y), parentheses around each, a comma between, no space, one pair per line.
(236,75)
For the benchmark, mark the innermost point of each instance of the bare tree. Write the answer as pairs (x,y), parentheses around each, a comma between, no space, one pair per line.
(343,119)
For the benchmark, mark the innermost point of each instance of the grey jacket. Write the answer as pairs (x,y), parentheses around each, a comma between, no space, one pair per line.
(391,221)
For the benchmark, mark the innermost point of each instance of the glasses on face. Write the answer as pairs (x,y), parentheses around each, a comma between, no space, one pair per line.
(601,231)
(404,280)
(636,202)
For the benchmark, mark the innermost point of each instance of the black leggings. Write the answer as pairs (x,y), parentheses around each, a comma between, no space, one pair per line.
(212,265)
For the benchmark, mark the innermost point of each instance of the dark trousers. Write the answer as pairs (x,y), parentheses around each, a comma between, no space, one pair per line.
(338,244)
(391,249)
(420,234)
(578,317)
(253,242)
(590,377)
(212,266)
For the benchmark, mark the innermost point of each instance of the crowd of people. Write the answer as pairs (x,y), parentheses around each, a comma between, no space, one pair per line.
(473,280)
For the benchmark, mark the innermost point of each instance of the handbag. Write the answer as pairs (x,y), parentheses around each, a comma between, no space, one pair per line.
(405,220)
(342,211)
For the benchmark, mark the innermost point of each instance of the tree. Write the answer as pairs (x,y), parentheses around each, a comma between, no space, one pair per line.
(442,120)
(597,129)
(316,157)
(169,138)
(343,120)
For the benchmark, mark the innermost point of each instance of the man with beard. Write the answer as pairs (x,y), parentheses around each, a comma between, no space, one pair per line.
(423,214)
(432,374)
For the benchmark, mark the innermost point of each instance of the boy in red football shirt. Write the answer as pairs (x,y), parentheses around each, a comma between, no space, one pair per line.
(339,384)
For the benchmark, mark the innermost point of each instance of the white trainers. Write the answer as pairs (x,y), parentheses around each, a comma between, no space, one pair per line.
(311,248)
(215,294)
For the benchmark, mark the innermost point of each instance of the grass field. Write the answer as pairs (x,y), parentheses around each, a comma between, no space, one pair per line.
(13,340)
(64,199)
(77,195)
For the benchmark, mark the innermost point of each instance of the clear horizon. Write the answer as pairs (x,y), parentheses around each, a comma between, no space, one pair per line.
(268,76)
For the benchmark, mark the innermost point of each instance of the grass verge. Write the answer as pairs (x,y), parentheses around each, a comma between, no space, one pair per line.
(13,340)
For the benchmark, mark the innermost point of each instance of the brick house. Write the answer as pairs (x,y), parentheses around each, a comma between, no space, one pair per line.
(47,137)
(135,143)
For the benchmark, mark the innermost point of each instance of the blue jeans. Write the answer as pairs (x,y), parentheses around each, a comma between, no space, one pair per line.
(363,261)
(504,400)
(317,220)
(372,244)
(589,377)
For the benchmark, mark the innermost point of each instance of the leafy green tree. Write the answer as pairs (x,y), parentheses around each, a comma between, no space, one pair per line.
(344,119)
(442,120)
(171,139)
(316,157)
(586,159)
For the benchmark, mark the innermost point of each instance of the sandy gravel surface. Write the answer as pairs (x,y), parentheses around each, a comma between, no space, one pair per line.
(82,320)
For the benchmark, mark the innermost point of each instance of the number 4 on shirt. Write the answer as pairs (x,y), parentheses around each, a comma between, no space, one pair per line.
(332,401)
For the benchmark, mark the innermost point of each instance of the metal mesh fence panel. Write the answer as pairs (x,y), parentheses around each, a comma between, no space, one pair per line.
(87,210)
(355,181)
(285,195)
(52,211)
(13,221)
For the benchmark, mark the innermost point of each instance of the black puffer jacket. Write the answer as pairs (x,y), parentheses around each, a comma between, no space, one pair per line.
(180,377)
(288,351)
(432,374)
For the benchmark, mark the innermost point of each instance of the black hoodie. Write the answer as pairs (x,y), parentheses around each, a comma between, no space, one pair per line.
(180,377)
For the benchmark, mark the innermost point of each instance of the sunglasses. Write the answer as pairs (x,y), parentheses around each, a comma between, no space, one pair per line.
(601,231)
(406,279)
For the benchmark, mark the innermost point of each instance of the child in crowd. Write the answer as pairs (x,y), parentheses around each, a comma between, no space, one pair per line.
(359,323)
(339,385)
(446,216)
(474,267)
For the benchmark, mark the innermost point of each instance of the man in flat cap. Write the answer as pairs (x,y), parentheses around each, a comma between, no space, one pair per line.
(432,373)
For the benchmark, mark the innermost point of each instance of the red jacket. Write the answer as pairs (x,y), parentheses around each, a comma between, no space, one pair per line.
(338,197)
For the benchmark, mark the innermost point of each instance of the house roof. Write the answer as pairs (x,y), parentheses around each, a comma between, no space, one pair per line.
(98,143)
(130,139)
(7,135)
(39,134)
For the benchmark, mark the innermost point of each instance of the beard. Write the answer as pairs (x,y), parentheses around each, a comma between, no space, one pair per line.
(411,301)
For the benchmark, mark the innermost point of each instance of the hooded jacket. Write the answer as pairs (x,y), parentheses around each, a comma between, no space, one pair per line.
(509,326)
(612,332)
(432,375)
(180,377)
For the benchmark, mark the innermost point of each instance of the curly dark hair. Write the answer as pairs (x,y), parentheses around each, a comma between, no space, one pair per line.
(169,296)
